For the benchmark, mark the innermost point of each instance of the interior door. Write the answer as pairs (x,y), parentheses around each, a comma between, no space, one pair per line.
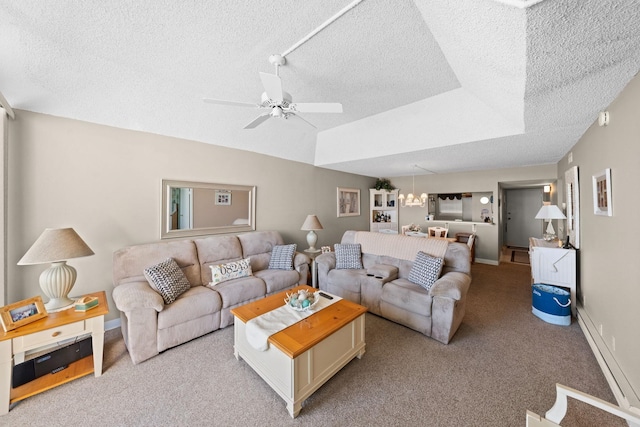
(522,205)
(185,209)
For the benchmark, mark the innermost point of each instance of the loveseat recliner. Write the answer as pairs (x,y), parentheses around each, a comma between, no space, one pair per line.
(383,285)
(149,326)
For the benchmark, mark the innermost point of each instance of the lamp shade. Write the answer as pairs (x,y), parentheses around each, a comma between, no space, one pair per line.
(55,245)
(311,223)
(550,212)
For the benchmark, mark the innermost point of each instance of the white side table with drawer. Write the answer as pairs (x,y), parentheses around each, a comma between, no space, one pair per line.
(56,327)
(555,266)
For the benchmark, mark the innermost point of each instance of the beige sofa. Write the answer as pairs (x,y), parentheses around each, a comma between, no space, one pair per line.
(149,326)
(383,286)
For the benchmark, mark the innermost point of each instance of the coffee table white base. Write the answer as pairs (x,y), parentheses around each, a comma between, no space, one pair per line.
(296,379)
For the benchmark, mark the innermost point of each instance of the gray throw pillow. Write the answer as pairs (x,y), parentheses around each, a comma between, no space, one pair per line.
(348,256)
(425,270)
(167,279)
(282,257)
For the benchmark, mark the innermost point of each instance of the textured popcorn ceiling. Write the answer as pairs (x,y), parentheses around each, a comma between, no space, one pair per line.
(446,85)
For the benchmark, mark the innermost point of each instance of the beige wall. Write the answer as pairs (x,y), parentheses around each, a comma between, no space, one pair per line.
(106,183)
(609,251)
(488,243)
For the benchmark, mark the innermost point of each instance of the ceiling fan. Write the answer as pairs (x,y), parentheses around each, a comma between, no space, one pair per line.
(277,102)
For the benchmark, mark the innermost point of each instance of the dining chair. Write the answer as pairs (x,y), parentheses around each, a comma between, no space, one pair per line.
(438,231)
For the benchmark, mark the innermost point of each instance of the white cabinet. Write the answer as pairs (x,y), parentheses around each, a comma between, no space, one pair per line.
(383,214)
(555,266)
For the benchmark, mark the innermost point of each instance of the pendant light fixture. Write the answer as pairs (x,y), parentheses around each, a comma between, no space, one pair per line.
(411,200)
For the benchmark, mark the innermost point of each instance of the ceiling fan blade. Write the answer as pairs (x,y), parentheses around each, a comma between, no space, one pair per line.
(272,86)
(261,118)
(231,103)
(297,117)
(317,107)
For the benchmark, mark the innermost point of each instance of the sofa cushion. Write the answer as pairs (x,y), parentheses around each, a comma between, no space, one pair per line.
(426,270)
(215,250)
(278,280)
(196,302)
(230,270)
(408,296)
(129,262)
(348,279)
(167,278)
(348,256)
(282,257)
(240,290)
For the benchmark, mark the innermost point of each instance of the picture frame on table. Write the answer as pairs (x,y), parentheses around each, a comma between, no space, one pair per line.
(22,313)
(602,193)
(348,200)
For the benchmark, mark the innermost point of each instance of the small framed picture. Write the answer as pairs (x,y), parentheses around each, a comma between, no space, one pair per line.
(223,197)
(602,193)
(326,249)
(348,202)
(22,312)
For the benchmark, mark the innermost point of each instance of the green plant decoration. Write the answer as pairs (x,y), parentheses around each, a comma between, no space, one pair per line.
(384,184)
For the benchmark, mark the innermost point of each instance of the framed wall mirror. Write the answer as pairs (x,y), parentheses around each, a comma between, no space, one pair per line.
(200,208)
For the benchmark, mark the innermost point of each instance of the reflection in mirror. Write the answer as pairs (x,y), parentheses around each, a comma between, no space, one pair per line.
(472,207)
(198,208)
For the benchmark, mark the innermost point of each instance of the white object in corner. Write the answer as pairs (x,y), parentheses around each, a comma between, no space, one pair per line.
(555,266)
(603,118)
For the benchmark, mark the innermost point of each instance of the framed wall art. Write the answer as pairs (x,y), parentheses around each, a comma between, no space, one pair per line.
(348,202)
(22,312)
(572,196)
(602,193)
(223,197)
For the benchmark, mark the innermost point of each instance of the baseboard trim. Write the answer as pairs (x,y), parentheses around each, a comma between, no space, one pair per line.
(487,261)
(617,388)
(111,324)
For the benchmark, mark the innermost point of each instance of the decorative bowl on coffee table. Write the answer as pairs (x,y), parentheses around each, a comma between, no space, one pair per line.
(302,300)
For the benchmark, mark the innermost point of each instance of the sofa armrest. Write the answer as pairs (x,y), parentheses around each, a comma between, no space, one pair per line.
(327,259)
(136,295)
(384,272)
(301,265)
(300,259)
(449,295)
(452,285)
(325,263)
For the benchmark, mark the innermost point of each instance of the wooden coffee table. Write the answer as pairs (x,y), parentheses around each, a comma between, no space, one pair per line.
(305,355)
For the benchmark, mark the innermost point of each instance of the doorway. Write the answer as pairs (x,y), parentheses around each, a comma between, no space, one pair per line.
(521,207)
(185,209)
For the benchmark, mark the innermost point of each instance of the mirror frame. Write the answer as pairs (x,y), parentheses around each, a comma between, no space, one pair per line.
(165,226)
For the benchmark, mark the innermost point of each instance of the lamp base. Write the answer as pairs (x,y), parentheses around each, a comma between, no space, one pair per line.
(58,304)
(56,282)
(312,239)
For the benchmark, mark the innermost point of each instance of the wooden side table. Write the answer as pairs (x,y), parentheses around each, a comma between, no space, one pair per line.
(54,328)
(314,267)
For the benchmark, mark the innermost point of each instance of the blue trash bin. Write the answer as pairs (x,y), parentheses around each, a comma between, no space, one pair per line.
(551,304)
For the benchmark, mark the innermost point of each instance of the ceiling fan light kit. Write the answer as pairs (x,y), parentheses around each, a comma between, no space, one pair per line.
(275,98)
(279,102)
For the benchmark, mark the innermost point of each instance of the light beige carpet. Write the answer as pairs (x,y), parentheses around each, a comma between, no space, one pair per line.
(502,361)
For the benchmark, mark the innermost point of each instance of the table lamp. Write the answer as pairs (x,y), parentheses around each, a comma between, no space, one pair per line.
(311,224)
(56,246)
(550,212)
